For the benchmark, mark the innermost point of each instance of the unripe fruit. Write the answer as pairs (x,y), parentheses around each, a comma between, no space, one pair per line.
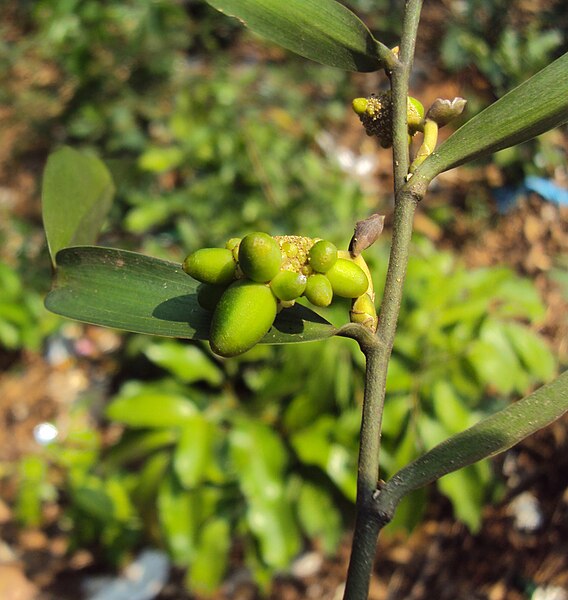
(319,290)
(288,285)
(348,279)
(323,255)
(209,295)
(243,316)
(259,257)
(211,265)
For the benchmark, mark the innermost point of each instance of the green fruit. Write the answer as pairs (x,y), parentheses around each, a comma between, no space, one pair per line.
(288,285)
(323,255)
(319,290)
(243,316)
(348,279)
(259,257)
(211,265)
(360,105)
(208,295)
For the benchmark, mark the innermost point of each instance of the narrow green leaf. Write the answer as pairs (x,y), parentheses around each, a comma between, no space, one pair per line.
(490,436)
(130,291)
(535,106)
(194,451)
(179,514)
(321,30)
(259,459)
(148,409)
(77,192)
(212,557)
(188,363)
(319,516)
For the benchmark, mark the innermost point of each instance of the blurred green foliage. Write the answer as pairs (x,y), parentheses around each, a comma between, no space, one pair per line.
(261,449)
(501,44)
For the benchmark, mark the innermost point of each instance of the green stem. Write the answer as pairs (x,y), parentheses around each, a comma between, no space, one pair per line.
(370,519)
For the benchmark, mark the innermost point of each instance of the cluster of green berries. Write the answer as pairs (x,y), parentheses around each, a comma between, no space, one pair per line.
(249,281)
(375,113)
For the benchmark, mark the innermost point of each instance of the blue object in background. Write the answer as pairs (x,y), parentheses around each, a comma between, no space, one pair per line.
(507,196)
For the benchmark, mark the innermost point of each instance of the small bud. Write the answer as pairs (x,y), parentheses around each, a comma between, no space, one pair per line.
(366,233)
(414,115)
(363,311)
(443,111)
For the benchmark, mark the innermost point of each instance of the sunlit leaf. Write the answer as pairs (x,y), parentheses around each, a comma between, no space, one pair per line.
(151,409)
(193,451)
(130,291)
(321,30)
(77,194)
(211,558)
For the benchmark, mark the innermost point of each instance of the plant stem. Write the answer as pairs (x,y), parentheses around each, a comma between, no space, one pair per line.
(370,519)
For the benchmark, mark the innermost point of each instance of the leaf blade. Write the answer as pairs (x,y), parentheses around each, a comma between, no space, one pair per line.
(321,30)
(77,193)
(535,106)
(129,291)
(492,435)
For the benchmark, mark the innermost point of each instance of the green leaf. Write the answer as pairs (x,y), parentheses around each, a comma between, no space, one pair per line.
(188,363)
(465,491)
(535,106)
(77,193)
(319,516)
(494,360)
(211,559)
(532,350)
(193,451)
(151,409)
(130,291)
(321,30)
(259,458)
(317,445)
(178,512)
(490,436)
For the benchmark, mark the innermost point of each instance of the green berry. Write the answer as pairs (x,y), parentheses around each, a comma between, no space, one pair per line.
(359,105)
(243,316)
(211,265)
(259,257)
(347,279)
(208,295)
(288,285)
(323,255)
(319,290)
